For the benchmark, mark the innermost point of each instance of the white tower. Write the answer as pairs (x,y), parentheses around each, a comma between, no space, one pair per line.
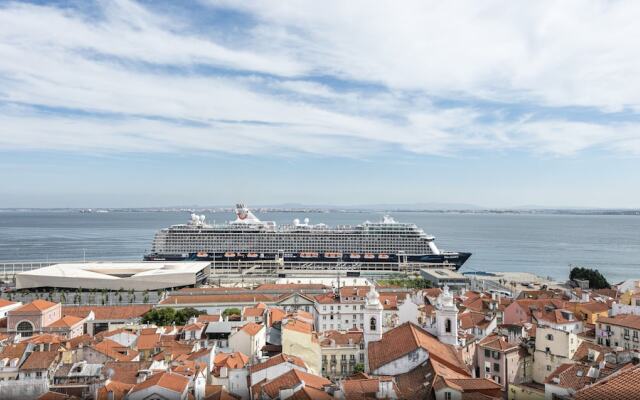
(372,321)
(446,318)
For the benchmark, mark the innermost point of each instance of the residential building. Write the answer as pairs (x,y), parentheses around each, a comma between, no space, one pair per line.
(591,311)
(622,330)
(299,338)
(553,347)
(499,359)
(232,372)
(341,352)
(249,339)
(163,385)
(33,317)
(559,319)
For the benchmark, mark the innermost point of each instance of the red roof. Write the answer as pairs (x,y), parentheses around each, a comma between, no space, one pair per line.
(275,360)
(175,382)
(39,360)
(108,312)
(623,385)
(406,338)
(5,302)
(252,328)
(290,379)
(68,321)
(36,305)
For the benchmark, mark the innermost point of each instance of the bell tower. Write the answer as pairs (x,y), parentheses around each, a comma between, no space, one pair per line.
(447,318)
(372,321)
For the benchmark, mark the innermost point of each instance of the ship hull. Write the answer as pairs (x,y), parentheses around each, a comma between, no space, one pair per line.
(448,259)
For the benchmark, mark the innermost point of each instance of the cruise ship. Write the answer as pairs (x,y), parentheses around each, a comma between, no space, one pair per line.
(249,239)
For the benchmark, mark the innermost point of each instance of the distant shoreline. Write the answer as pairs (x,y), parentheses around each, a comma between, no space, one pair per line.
(545,211)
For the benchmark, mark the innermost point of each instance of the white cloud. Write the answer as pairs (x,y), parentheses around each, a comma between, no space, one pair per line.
(132,74)
(558,53)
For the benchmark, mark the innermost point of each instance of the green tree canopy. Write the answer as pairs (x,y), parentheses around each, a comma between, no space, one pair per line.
(169,316)
(231,311)
(595,278)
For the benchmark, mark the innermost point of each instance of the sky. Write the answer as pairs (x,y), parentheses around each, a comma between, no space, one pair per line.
(156,103)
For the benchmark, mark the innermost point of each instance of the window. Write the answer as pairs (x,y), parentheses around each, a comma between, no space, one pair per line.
(447,395)
(39,374)
(25,329)
(549,336)
(361,357)
(548,367)
(496,367)
(487,353)
(447,326)
(373,324)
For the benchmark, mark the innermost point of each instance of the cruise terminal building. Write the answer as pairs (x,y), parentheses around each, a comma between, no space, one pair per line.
(139,276)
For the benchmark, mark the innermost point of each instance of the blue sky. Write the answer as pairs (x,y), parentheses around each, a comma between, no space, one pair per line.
(151,103)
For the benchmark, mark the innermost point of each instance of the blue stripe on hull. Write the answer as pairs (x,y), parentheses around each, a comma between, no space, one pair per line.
(457,259)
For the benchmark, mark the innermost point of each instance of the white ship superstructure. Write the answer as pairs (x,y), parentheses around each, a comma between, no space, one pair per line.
(248,238)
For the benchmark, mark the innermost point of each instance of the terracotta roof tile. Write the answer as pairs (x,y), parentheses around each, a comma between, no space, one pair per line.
(291,286)
(148,342)
(68,321)
(126,371)
(219,298)
(290,379)
(623,385)
(114,390)
(38,305)
(231,360)
(341,338)
(56,396)
(115,351)
(276,315)
(624,320)
(407,337)
(472,319)
(106,313)
(275,360)
(175,382)
(39,360)
(594,306)
(209,318)
(252,328)
(298,326)
(310,393)
(253,312)
(5,303)
(497,342)
(48,338)
(13,351)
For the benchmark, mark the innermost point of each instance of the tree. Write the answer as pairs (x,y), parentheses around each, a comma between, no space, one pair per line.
(183,315)
(595,278)
(168,316)
(231,311)
(359,367)
(160,316)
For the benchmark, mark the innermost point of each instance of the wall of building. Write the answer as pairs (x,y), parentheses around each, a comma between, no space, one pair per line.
(302,345)
(523,392)
(561,347)
(403,364)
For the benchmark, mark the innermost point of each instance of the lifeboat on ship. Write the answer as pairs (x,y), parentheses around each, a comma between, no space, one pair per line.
(229,254)
(369,256)
(252,255)
(202,254)
(333,255)
(308,255)
(383,257)
(354,256)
